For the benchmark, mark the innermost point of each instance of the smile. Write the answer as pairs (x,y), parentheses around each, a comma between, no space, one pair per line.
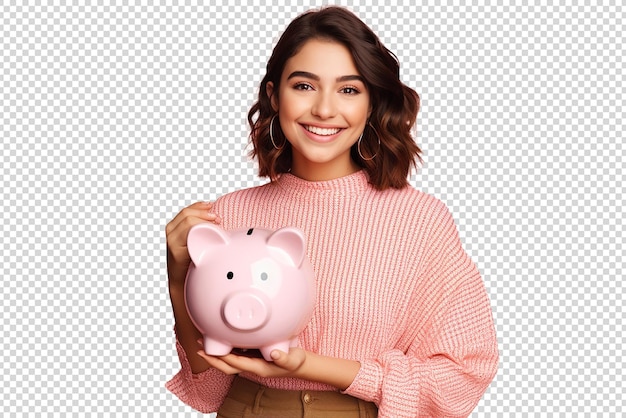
(321,131)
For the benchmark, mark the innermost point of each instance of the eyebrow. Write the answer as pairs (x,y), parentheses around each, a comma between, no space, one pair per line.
(315,77)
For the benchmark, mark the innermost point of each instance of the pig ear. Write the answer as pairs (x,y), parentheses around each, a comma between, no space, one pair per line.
(203,238)
(291,242)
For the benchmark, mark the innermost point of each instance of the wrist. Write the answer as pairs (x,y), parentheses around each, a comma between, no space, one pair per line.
(302,371)
(177,269)
(176,288)
(333,371)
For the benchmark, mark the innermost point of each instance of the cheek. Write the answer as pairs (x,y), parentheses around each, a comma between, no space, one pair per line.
(358,108)
(358,113)
(290,106)
(288,116)
(291,99)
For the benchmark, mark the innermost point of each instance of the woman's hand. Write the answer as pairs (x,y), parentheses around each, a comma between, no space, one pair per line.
(298,363)
(284,364)
(177,231)
(178,261)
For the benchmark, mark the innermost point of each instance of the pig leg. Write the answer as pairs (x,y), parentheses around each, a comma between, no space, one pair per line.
(267,350)
(216,348)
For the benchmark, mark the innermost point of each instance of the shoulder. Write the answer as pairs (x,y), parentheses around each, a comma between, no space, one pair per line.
(416,204)
(240,195)
(424,219)
(245,207)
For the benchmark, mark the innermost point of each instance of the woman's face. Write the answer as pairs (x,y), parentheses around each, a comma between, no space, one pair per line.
(323,106)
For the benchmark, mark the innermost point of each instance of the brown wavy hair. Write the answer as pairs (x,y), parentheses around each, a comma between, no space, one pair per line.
(394,105)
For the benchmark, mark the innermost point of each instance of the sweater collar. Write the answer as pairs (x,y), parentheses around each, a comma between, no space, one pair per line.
(356,182)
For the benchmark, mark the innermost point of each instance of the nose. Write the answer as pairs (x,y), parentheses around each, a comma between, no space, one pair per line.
(324,106)
(245,312)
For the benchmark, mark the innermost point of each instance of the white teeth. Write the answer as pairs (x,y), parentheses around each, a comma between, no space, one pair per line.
(322,131)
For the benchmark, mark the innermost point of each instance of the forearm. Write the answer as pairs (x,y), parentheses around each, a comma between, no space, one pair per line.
(333,371)
(186,331)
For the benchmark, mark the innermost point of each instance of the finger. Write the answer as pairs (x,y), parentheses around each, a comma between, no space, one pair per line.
(289,361)
(257,366)
(178,229)
(206,208)
(219,363)
(278,357)
(204,213)
(282,359)
(202,210)
(177,239)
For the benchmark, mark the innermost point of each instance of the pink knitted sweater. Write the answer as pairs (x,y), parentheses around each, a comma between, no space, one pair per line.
(396,292)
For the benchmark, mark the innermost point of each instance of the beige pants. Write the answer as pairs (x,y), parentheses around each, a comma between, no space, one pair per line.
(248,399)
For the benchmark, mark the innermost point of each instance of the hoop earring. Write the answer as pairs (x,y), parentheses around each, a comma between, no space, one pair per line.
(272,134)
(358,145)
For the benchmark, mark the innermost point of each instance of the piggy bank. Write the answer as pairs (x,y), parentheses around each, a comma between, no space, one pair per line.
(248,289)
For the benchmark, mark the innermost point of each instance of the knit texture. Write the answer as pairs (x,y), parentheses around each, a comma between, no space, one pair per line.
(396,292)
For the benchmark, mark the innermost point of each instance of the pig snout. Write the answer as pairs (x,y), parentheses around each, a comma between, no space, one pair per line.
(245,312)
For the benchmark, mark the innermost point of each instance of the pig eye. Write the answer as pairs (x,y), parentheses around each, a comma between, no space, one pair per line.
(229,275)
(266,275)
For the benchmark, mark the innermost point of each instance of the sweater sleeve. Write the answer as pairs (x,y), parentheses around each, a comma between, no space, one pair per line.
(203,391)
(450,362)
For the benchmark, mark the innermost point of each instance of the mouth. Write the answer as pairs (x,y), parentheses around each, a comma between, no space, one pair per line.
(322,131)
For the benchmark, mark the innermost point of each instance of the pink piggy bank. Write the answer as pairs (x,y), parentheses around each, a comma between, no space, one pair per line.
(250,288)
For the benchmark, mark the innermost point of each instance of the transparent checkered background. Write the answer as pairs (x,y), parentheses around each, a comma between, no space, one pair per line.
(114,117)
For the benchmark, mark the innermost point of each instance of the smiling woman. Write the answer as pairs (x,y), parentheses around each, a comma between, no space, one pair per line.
(333,51)
(323,106)
(402,325)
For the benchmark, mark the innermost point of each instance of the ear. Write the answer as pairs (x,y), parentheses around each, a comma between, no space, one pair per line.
(290,241)
(204,238)
(269,90)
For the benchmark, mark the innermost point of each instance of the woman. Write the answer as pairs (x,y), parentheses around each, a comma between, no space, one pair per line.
(403,325)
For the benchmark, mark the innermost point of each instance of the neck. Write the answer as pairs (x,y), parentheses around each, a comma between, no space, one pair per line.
(311,171)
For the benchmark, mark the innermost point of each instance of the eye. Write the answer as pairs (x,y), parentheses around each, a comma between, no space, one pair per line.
(230,275)
(303,87)
(267,276)
(350,90)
